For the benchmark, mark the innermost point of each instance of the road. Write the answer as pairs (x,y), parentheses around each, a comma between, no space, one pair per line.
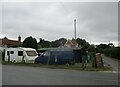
(0,74)
(24,75)
(19,75)
(114,63)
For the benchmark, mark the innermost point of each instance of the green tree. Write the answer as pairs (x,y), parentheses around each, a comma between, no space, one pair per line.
(103,46)
(82,42)
(111,45)
(58,42)
(91,48)
(44,43)
(100,48)
(30,42)
(112,52)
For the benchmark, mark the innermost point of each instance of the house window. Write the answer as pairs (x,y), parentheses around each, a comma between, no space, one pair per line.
(20,53)
(11,52)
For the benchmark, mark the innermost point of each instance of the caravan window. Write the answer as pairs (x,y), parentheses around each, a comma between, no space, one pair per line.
(31,53)
(20,53)
(11,52)
(8,53)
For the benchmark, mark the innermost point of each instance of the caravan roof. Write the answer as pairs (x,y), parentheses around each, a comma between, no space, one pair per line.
(22,48)
(26,48)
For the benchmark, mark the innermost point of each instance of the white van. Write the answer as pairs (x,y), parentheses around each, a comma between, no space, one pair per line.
(20,54)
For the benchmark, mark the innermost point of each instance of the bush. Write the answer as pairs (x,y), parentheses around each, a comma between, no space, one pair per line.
(113,52)
(99,50)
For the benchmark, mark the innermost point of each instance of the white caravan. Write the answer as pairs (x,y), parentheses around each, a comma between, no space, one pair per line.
(26,55)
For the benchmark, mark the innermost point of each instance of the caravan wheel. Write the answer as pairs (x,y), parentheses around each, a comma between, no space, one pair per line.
(14,61)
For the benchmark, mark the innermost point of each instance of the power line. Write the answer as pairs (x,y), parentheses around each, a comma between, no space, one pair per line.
(65,9)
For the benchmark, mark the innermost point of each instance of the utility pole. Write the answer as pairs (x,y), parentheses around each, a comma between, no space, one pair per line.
(75,27)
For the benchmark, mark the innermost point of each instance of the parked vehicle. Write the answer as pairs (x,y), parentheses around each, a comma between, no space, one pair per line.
(1,53)
(57,56)
(26,55)
(78,51)
(1,49)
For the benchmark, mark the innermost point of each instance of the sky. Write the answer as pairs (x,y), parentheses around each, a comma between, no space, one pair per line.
(97,22)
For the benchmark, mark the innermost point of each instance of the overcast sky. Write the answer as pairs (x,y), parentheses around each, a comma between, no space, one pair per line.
(97,22)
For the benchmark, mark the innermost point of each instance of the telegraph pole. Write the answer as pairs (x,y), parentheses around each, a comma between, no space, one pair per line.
(75,27)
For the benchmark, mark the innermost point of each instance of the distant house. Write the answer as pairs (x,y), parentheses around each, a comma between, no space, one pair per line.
(5,42)
(71,43)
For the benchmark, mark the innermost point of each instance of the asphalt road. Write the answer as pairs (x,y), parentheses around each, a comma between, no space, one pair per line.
(0,74)
(20,75)
(114,63)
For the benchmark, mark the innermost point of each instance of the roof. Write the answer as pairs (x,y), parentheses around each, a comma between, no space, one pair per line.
(71,43)
(9,43)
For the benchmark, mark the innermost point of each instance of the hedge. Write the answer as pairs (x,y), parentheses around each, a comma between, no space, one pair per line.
(112,52)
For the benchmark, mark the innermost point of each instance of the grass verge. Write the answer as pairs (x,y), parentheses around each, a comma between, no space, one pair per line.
(77,66)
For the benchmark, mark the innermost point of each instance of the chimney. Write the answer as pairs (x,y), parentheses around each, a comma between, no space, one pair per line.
(19,38)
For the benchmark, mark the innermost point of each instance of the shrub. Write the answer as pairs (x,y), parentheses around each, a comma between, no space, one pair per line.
(113,52)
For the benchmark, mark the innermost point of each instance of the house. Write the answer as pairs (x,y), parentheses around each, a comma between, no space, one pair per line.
(71,43)
(5,42)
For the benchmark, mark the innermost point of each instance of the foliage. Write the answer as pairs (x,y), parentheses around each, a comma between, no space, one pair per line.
(82,42)
(47,44)
(103,46)
(58,42)
(44,44)
(91,48)
(30,42)
(113,52)
(100,48)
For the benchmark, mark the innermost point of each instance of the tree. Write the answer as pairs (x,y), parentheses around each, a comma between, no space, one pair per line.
(30,42)
(111,45)
(103,46)
(44,44)
(91,48)
(82,43)
(58,42)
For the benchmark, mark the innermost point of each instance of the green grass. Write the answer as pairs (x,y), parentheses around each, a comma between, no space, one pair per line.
(77,66)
